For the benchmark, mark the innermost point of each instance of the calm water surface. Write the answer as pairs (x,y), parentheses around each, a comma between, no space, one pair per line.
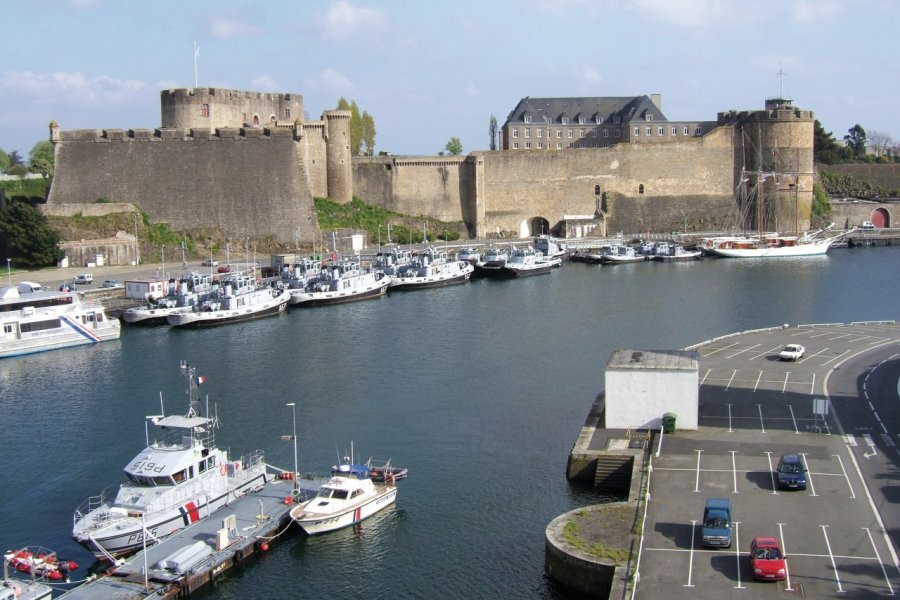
(480,390)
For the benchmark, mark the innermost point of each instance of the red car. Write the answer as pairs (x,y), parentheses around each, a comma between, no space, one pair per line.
(766,559)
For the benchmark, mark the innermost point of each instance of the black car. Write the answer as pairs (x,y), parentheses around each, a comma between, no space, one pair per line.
(791,474)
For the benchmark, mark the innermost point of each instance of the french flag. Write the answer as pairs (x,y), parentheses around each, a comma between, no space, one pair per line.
(201,379)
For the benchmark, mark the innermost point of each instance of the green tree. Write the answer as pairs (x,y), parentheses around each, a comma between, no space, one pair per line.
(820,212)
(4,161)
(856,141)
(825,148)
(454,147)
(26,237)
(41,159)
(367,133)
(492,131)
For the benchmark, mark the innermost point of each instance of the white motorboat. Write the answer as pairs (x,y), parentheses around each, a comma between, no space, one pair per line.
(187,292)
(343,282)
(431,268)
(349,497)
(179,478)
(238,298)
(549,247)
(307,271)
(619,254)
(34,320)
(525,261)
(390,261)
(469,254)
(665,252)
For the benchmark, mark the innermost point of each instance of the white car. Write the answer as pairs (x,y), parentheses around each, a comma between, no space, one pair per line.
(84,278)
(792,352)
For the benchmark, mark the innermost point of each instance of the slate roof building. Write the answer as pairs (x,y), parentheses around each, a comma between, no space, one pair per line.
(592,122)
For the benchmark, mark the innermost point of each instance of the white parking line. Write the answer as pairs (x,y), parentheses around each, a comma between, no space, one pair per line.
(844,471)
(791,408)
(720,349)
(787,572)
(809,479)
(761,424)
(883,570)
(697,482)
(732,379)
(737,552)
(784,385)
(812,385)
(705,375)
(739,352)
(691,562)
(729,418)
(758,379)
(837,577)
(828,362)
(734,470)
(772,474)
(766,352)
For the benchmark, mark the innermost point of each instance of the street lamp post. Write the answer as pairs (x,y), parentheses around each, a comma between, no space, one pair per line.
(296,460)
(8,272)
(162,256)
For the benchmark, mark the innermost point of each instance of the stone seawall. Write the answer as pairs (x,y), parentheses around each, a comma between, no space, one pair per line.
(246,182)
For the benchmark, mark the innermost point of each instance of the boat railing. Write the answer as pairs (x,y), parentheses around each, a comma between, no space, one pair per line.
(89,505)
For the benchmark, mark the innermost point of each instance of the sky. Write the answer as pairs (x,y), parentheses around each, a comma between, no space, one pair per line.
(427,71)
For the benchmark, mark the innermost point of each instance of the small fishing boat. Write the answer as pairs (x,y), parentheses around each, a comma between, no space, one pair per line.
(40,562)
(239,298)
(344,282)
(675,252)
(179,478)
(525,261)
(618,254)
(383,471)
(349,497)
(431,268)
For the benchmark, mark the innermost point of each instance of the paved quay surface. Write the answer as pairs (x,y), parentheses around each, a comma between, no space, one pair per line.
(839,535)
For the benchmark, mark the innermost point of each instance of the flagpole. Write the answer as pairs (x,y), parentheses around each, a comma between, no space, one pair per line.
(196,60)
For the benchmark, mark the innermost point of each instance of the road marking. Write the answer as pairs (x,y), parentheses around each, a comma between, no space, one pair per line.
(772,474)
(722,348)
(830,554)
(758,380)
(732,379)
(739,352)
(729,419)
(761,424)
(850,439)
(784,385)
(705,375)
(697,482)
(691,562)
(764,353)
(812,385)
(791,408)
(885,431)
(827,362)
(849,485)
(787,572)
(737,552)
(883,570)
(871,444)
(887,439)
(734,470)
(808,475)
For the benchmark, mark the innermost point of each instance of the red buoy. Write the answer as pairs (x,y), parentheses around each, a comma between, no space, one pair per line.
(264,546)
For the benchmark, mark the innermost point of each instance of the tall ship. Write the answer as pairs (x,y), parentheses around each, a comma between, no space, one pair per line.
(179,478)
(237,299)
(34,320)
(431,268)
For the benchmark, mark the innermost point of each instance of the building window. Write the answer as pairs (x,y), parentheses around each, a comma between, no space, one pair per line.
(581,133)
(287,113)
(606,133)
(528,118)
(649,131)
(618,132)
(559,134)
(540,144)
(617,120)
(648,117)
(697,131)
(687,131)
(204,111)
(515,145)
(641,189)
(528,132)
(528,145)
(674,130)
(599,119)
(637,131)
(581,121)
(571,134)
(515,133)
(593,133)
(559,145)
(565,120)
(540,132)
(661,131)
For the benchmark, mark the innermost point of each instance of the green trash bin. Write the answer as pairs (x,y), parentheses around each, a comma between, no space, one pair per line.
(668,422)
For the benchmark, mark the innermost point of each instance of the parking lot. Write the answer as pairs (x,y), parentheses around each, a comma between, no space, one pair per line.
(755,408)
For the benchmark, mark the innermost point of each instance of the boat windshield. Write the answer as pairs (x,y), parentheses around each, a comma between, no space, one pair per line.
(337,494)
(145,481)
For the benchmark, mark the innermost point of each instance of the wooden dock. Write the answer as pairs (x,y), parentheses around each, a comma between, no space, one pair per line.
(199,554)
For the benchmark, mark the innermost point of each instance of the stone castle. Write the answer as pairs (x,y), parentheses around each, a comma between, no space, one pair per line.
(248,164)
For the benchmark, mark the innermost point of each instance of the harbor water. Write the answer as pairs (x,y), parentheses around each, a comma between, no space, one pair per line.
(480,390)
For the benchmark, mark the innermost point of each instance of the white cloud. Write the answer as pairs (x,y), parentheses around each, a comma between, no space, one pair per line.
(335,81)
(229,25)
(344,19)
(689,13)
(805,10)
(74,87)
(264,83)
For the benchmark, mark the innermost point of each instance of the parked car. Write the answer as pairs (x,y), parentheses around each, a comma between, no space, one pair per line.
(112,283)
(67,287)
(225,269)
(84,278)
(791,473)
(867,225)
(766,559)
(792,352)
(210,263)
(716,526)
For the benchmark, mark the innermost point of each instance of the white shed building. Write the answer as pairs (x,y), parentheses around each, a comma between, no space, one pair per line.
(643,385)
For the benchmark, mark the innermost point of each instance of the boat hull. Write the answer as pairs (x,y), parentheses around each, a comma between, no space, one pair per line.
(323,523)
(510,271)
(341,297)
(75,335)
(195,320)
(816,249)
(148,317)
(120,540)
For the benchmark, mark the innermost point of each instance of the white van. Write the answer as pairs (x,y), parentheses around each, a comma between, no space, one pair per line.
(84,278)
(867,225)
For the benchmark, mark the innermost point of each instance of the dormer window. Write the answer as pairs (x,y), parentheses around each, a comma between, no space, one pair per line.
(648,117)
(581,120)
(546,119)
(565,120)
(617,119)
(527,118)
(598,119)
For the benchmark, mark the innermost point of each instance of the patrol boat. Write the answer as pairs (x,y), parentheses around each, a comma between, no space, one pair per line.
(180,478)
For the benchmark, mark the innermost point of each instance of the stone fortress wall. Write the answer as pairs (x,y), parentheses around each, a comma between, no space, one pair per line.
(259,182)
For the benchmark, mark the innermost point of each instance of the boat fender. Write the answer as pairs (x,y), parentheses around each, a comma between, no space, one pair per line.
(238,556)
(222,469)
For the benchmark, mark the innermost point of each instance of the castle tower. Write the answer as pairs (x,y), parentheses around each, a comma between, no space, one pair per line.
(337,152)
(214,108)
(774,152)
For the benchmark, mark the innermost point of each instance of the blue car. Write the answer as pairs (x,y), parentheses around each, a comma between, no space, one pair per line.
(791,474)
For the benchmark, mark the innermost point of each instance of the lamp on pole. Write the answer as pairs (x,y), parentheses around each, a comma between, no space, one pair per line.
(296,461)
(8,272)
(162,257)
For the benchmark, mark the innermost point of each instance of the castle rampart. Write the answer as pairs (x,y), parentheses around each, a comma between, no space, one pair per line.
(212,108)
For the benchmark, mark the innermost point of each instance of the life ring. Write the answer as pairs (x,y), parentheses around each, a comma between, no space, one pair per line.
(222,469)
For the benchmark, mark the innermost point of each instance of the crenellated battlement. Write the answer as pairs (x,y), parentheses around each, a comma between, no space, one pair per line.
(170,134)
